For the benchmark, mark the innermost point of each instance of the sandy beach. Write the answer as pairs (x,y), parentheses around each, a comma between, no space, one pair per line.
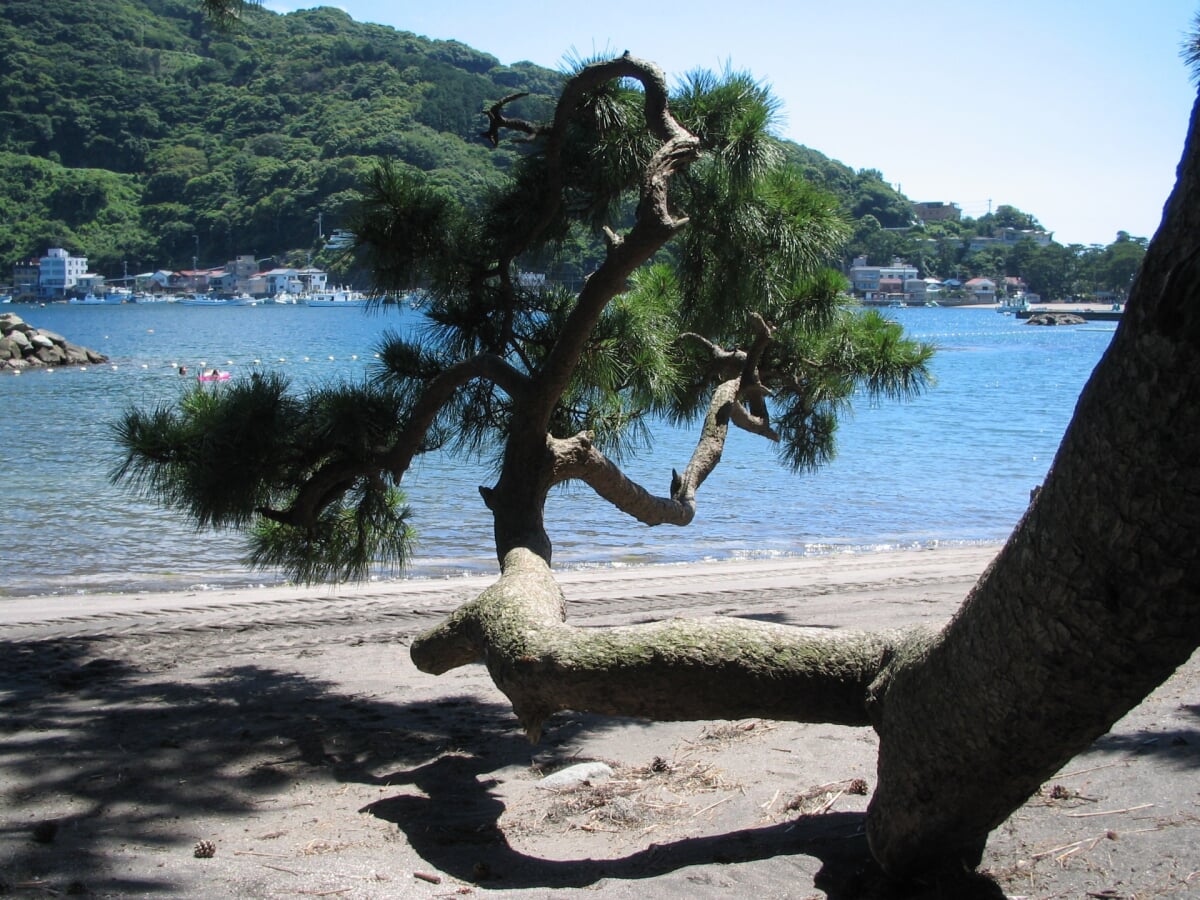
(287,730)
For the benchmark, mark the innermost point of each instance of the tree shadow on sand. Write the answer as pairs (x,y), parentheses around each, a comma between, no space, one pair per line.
(454,827)
(1178,747)
(101,754)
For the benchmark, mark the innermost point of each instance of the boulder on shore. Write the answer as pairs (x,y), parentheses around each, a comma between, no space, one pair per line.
(24,347)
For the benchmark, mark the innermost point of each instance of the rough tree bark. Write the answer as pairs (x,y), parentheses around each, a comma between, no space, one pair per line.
(1093,602)
(527,473)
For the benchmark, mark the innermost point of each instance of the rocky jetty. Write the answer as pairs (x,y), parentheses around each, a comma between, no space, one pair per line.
(1056,318)
(24,347)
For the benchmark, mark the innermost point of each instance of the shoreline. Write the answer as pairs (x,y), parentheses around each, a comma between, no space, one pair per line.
(115,541)
(99,586)
(288,728)
(155,591)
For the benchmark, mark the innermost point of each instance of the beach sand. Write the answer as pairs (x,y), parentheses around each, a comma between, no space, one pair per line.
(288,727)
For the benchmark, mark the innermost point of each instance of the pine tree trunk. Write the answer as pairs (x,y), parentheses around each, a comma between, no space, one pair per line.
(1094,601)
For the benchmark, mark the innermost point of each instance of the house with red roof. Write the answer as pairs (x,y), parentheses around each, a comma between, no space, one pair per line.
(982,290)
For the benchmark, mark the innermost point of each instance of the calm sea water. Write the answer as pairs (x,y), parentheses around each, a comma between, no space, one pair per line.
(952,467)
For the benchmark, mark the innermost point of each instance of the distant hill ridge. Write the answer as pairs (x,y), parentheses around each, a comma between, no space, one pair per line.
(136,134)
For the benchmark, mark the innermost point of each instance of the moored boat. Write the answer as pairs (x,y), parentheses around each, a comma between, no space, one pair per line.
(93,299)
(338,297)
(204,300)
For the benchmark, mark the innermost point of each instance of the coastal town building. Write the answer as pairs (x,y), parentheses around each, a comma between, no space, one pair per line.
(59,272)
(89,283)
(981,290)
(25,279)
(241,276)
(153,282)
(235,276)
(293,281)
(1014,286)
(1008,237)
(194,280)
(222,280)
(936,211)
(922,291)
(869,282)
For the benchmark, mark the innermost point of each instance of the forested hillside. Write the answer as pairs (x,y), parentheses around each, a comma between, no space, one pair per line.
(137,134)
(130,128)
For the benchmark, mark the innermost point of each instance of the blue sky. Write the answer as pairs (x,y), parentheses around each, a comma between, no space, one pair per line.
(1072,111)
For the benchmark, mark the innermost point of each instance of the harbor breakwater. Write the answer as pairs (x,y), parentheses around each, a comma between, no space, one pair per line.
(22,346)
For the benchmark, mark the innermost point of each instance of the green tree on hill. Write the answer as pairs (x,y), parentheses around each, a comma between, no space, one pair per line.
(1006,217)
(213,130)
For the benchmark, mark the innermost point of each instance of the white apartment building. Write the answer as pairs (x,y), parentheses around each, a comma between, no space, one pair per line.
(293,281)
(868,281)
(59,272)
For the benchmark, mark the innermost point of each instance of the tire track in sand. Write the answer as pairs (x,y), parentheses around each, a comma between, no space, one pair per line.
(837,591)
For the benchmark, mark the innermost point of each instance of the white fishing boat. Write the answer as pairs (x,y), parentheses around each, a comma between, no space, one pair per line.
(90,299)
(204,300)
(338,297)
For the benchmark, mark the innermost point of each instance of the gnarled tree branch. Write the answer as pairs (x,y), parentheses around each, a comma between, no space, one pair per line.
(719,667)
(578,458)
(337,476)
(655,223)
(744,365)
(754,392)
(498,121)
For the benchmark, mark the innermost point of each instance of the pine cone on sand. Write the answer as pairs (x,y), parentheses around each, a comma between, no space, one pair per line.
(204,850)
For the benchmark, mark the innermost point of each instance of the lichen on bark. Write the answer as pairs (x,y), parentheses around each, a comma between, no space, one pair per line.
(675,669)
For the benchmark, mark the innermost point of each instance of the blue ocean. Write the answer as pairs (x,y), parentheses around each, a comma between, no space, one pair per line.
(953,467)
